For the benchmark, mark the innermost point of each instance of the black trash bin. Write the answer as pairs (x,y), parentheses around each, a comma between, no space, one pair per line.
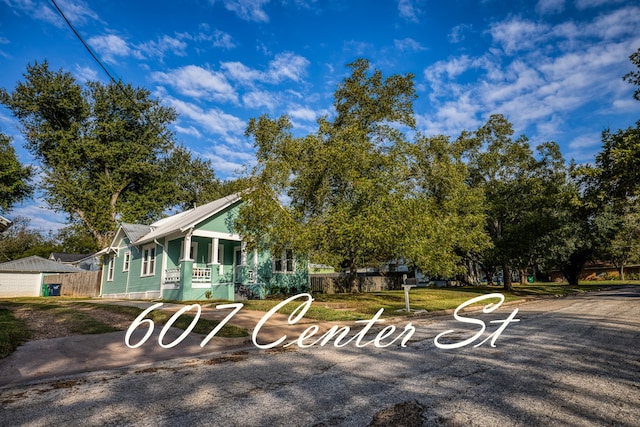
(54,289)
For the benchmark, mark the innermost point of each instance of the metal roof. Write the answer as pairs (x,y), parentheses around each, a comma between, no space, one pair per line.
(67,257)
(135,231)
(36,264)
(187,219)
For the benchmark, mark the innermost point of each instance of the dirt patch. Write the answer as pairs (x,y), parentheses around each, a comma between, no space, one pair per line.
(405,414)
(45,324)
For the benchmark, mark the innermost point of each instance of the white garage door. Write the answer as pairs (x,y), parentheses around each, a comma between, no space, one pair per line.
(20,284)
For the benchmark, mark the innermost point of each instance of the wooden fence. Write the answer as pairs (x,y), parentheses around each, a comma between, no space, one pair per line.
(332,283)
(85,284)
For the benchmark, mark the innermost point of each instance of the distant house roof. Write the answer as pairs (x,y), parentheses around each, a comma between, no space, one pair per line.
(4,223)
(68,258)
(36,264)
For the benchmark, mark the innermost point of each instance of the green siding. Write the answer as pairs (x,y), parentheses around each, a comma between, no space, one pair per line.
(223,221)
(173,253)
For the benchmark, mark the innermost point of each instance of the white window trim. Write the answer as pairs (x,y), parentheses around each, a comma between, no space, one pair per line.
(126,261)
(283,263)
(146,261)
(111,268)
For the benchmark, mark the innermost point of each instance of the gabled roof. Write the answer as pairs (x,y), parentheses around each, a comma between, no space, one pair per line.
(36,264)
(185,220)
(180,222)
(68,258)
(135,231)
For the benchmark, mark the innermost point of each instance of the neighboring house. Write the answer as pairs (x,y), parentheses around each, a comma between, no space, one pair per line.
(4,223)
(24,277)
(87,262)
(195,255)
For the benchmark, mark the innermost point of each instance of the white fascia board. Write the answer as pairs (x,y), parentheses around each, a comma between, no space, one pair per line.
(217,235)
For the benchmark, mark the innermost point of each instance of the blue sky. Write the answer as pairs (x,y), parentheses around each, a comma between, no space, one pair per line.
(552,67)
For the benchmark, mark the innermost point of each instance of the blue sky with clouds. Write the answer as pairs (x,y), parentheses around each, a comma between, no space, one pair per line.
(552,67)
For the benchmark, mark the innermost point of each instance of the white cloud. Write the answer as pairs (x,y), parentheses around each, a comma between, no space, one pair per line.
(77,12)
(285,66)
(240,72)
(541,75)
(257,99)
(213,120)
(408,9)
(457,33)
(585,4)
(163,45)
(303,113)
(198,82)
(229,160)
(223,40)
(516,34)
(192,131)
(41,217)
(86,74)
(111,46)
(409,45)
(249,10)
(546,7)
(585,141)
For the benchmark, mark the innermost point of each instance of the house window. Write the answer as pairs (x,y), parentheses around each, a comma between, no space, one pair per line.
(284,264)
(110,268)
(148,260)
(126,261)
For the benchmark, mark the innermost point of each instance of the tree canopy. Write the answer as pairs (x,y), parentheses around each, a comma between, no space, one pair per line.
(356,192)
(106,151)
(15,185)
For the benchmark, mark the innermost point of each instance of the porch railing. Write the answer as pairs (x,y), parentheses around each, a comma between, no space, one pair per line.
(198,275)
(201,275)
(172,275)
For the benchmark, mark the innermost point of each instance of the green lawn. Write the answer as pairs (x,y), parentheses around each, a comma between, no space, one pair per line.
(335,307)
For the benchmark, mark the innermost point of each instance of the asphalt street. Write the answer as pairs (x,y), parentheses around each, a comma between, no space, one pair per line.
(571,361)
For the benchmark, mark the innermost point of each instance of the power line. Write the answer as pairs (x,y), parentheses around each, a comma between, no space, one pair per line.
(115,81)
(84,43)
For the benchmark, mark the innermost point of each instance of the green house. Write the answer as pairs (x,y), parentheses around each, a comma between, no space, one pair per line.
(195,255)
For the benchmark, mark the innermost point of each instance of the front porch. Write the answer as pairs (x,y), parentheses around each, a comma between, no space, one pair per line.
(215,268)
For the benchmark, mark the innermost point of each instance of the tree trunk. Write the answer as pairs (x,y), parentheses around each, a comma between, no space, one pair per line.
(353,278)
(506,275)
(523,277)
(489,272)
(621,270)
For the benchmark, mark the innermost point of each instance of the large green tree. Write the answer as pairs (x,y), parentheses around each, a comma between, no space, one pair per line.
(527,197)
(356,192)
(611,187)
(106,150)
(15,185)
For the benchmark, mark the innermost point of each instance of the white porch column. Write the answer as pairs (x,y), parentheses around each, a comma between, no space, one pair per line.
(186,250)
(214,251)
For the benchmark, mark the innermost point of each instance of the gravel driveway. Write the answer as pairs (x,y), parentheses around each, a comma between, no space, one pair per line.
(571,361)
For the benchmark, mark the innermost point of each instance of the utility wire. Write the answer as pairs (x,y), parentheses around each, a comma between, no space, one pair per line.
(84,43)
(115,81)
